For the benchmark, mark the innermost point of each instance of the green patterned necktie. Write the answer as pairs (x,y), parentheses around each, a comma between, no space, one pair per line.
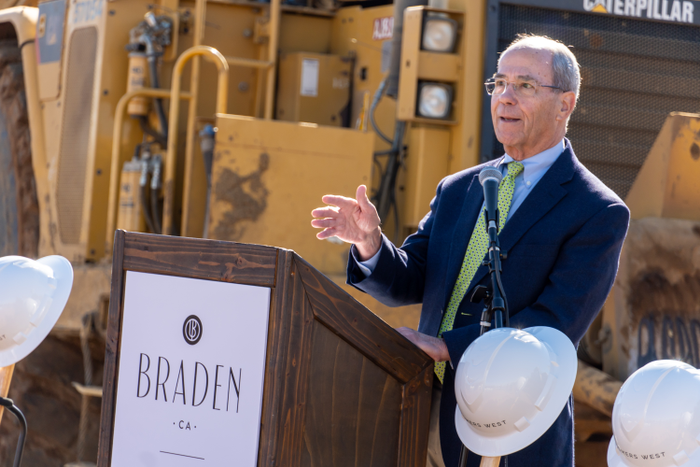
(476,251)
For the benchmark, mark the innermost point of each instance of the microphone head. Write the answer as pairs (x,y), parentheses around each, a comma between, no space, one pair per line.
(490,172)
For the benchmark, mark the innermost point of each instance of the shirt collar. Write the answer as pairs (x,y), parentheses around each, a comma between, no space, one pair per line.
(534,167)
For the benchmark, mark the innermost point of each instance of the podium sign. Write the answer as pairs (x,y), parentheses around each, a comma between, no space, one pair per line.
(190,372)
(227,354)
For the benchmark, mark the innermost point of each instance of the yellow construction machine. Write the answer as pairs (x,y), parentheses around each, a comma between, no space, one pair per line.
(229,119)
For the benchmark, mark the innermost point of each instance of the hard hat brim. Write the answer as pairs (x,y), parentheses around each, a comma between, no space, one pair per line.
(614,459)
(63,273)
(495,446)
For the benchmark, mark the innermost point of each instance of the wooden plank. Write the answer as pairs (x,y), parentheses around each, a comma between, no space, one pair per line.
(5,378)
(200,258)
(490,461)
(355,416)
(287,368)
(361,328)
(114,322)
(415,416)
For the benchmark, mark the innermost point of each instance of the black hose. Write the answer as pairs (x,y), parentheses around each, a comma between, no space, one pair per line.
(207,140)
(153,67)
(146,128)
(155,191)
(9,405)
(387,184)
(375,101)
(153,55)
(143,197)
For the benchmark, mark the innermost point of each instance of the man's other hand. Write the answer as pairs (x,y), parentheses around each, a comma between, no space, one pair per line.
(351,220)
(433,346)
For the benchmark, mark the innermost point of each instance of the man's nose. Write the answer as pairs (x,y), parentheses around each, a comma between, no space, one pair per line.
(508,96)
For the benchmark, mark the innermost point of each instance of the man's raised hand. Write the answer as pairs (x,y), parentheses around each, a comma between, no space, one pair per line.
(351,220)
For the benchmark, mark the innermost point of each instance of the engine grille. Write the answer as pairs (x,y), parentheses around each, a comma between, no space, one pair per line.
(72,158)
(634,72)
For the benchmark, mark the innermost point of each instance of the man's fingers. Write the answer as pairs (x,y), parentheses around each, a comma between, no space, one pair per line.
(340,201)
(325,212)
(324,223)
(324,234)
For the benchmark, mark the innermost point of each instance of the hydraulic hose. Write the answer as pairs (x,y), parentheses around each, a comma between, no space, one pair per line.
(143,197)
(375,101)
(207,145)
(153,69)
(386,197)
(146,128)
(156,185)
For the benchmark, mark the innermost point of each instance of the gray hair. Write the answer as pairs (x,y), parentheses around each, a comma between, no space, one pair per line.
(565,67)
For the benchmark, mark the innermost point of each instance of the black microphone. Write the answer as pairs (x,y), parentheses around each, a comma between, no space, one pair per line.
(490,178)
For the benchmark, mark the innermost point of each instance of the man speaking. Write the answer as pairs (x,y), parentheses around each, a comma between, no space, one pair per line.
(561,227)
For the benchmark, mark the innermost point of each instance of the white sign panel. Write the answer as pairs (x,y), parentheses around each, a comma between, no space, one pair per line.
(309,77)
(383,28)
(190,376)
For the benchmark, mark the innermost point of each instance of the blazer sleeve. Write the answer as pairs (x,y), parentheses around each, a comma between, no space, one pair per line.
(576,287)
(399,276)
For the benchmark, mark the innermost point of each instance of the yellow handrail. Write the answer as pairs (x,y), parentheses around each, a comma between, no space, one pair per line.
(170,159)
(272,56)
(249,62)
(115,172)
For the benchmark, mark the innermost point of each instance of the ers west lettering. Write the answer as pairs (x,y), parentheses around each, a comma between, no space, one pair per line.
(680,11)
(197,383)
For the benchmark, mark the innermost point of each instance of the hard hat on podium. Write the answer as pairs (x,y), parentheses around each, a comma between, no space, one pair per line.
(32,297)
(656,417)
(511,385)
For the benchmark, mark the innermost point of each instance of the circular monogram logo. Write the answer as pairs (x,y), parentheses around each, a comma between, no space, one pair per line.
(192,329)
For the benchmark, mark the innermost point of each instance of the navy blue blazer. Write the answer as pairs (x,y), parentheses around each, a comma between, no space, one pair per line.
(563,245)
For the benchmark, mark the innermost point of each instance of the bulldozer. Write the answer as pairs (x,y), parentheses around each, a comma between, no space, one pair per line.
(229,119)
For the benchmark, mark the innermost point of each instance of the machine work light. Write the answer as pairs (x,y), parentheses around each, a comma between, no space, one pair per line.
(434,100)
(439,34)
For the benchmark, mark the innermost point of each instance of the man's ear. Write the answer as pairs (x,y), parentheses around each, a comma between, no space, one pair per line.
(567,104)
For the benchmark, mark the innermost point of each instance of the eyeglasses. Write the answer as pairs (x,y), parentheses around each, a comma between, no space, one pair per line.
(496,87)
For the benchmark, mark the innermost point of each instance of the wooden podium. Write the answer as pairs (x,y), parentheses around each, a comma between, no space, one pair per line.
(341,387)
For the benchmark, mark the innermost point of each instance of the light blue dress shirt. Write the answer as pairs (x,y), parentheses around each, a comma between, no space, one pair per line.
(534,169)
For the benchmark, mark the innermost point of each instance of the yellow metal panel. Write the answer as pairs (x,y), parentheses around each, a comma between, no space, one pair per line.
(682,197)
(301,33)
(110,84)
(470,89)
(229,29)
(654,309)
(426,164)
(668,184)
(408,79)
(320,104)
(48,80)
(438,66)
(355,32)
(267,176)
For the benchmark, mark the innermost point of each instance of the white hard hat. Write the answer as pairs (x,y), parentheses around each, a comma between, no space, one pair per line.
(32,297)
(656,417)
(511,385)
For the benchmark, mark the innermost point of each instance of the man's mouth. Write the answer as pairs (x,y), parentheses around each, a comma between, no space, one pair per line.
(509,120)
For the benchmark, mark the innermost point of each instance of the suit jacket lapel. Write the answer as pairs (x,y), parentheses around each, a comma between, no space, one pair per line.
(543,198)
(471,206)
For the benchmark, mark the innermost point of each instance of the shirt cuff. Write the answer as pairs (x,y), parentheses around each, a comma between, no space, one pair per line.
(367,267)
